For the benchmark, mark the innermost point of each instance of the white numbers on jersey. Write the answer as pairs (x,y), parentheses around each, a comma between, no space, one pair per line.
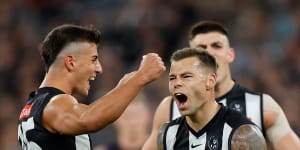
(22,129)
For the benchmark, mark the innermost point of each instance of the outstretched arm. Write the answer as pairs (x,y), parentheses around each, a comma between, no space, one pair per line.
(64,115)
(161,116)
(277,127)
(248,137)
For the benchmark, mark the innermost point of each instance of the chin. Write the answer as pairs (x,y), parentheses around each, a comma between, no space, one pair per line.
(184,113)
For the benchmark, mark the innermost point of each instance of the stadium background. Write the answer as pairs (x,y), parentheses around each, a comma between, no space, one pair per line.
(265,35)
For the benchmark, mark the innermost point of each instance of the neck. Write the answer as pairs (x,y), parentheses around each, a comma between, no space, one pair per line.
(54,80)
(223,87)
(203,116)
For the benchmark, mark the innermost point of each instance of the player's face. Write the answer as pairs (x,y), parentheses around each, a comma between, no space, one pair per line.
(87,66)
(187,85)
(217,45)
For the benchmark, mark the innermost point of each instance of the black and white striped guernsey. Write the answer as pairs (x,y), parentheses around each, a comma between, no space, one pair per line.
(33,136)
(216,135)
(240,99)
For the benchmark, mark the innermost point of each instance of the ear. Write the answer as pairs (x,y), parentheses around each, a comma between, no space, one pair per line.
(231,55)
(211,81)
(69,62)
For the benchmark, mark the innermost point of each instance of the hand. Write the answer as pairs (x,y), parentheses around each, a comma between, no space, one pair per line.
(150,68)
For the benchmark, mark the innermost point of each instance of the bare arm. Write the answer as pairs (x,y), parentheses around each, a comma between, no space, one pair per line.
(64,115)
(278,129)
(161,116)
(248,137)
(160,137)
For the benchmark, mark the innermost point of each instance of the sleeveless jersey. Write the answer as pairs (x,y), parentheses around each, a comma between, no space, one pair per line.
(33,136)
(240,99)
(216,135)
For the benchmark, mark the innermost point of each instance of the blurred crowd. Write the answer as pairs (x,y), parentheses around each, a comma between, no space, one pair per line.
(265,35)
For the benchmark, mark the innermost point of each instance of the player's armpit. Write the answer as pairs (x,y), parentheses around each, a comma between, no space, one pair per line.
(160,137)
(248,137)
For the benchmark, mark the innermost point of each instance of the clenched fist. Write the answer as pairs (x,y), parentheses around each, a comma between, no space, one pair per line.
(150,68)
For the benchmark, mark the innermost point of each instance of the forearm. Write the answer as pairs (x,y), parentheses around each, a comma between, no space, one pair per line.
(109,107)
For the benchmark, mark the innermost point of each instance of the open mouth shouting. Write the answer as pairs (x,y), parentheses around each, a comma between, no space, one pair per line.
(181,100)
(91,79)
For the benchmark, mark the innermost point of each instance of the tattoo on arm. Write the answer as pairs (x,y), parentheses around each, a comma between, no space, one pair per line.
(160,137)
(248,137)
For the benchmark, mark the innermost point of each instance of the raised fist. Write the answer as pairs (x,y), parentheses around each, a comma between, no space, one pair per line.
(150,68)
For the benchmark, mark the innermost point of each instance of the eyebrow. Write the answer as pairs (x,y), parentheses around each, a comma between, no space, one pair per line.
(217,42)
(182,74)
(202,45)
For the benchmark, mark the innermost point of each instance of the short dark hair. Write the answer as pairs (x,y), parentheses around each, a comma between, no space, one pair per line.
(206,27)
(62,35)
(203,56)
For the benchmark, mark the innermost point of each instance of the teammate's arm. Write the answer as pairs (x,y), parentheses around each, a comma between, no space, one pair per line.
(64,115)
(248,137)
(161,116)
(277,127)
(160,137)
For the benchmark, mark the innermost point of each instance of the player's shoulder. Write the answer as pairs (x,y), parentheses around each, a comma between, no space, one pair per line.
(47,94)
(58,99)
(267,98)
(242,89)
(167,100)
(178,121)
(165,104)
(236,119)
(162,112)
(63,98)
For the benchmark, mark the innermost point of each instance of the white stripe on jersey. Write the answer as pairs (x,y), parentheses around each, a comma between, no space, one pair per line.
(253,111)
(175,111)
(194,142)
(226,133)
(252,102)
(171,133)
(82,142)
